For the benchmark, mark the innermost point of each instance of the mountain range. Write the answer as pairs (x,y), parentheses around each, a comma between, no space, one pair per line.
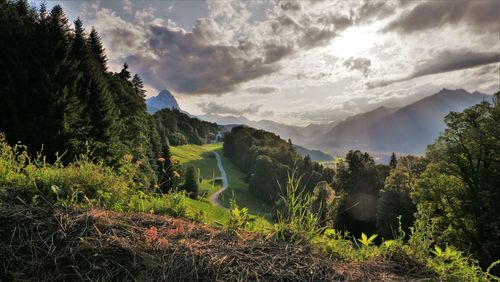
(164,100)
(406,130)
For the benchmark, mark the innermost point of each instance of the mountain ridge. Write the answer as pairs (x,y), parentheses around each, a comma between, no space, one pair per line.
(164,100)
(408,129)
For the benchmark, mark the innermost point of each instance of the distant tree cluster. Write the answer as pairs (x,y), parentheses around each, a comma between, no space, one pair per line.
(267,159)
(177,128)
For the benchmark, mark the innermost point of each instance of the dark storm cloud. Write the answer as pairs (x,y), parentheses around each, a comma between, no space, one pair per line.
(479,14)
(215,108)
(443,62)
(261,90)
(359,64)
(455,60)
(186,62)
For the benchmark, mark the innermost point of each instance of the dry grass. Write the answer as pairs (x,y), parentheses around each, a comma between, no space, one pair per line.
(96,245)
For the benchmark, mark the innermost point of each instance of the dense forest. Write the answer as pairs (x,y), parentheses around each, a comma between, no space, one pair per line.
(177,128)
(267,159)
(58,94)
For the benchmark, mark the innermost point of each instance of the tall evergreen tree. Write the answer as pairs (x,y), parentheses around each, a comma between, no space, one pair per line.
(97,49)
(191,182)
(138,86)
(124,73)
(394,161)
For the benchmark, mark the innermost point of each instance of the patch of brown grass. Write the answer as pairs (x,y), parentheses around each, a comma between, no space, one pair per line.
(97,245)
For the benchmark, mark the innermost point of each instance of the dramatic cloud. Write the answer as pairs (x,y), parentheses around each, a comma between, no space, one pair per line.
(261,90)
(480,14)
(299,61)
(445,61)
(359,64)
(214,59)
(215,108)
(455,60)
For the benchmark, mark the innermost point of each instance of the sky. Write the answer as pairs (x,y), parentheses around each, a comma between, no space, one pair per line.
(298,62)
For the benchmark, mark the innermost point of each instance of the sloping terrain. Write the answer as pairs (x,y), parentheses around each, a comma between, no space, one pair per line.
(407,129)
(97,245)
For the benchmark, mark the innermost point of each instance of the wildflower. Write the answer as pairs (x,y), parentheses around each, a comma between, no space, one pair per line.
(128,157)
(176,174)
(161,159)
(138,163)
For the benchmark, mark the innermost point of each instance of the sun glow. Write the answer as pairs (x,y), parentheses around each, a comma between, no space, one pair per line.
(355,41)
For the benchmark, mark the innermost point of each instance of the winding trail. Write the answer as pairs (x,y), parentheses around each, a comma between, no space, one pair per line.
(214,199)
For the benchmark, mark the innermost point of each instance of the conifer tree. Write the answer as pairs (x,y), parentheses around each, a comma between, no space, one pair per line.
(394,161)
(138,86)
(124,73)
(191,182)
(97,49)
(167,171)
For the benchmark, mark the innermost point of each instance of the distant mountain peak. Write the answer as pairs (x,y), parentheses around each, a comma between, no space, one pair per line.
(164,100)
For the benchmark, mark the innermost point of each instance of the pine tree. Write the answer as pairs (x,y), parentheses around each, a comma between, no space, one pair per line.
(138,86)
(191,182)
(124,73)
(167,171)
(394,161)
(97,49)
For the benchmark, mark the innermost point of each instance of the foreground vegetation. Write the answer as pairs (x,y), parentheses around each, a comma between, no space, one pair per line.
(83,185)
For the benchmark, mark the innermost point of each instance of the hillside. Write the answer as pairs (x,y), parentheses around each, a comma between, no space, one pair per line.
(406,130)
(202,157)
(99,245)
(299,135)
(164,100)
(178,128)
(316,155)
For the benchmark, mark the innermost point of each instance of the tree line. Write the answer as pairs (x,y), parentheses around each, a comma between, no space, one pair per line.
(58,97)
(266,159)
(177,128)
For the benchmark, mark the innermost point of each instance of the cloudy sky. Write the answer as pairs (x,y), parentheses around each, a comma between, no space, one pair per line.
(299,62)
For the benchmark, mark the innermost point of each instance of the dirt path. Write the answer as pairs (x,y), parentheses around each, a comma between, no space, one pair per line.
(225,183)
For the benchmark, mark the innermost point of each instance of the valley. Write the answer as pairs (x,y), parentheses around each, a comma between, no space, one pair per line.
(289,140)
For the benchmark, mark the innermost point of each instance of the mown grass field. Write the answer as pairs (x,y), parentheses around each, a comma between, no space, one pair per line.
(238,189)
(201,157)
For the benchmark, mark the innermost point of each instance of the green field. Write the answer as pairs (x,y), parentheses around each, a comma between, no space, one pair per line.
(201,157)
(238,189)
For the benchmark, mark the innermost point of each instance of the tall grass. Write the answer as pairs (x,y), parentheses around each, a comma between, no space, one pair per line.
(82,182)
(295,221)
